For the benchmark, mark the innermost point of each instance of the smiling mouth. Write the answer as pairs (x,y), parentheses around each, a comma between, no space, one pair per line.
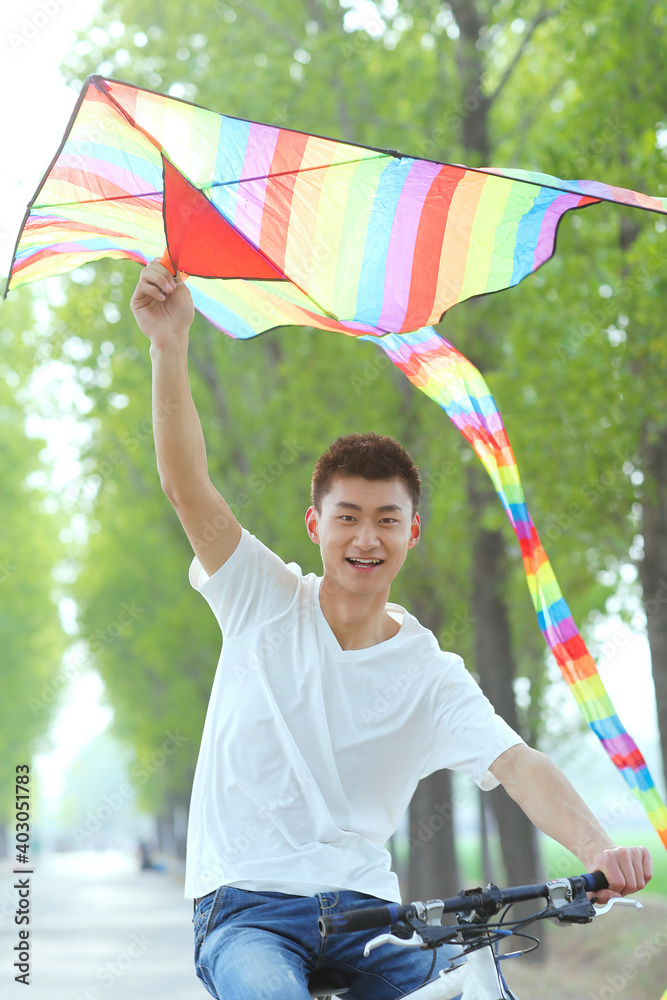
(364,563)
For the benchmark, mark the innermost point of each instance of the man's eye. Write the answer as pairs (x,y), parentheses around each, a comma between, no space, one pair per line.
(389,520)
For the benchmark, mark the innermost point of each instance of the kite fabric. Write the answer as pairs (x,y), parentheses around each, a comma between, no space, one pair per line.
(281,228)
(443,373)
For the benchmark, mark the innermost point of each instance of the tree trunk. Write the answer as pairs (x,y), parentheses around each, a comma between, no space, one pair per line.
(433,870)
(653,568)
(495,667)
(179,812)
(493,656)
(432,867)
(487,866)
(171,825)
(164,830)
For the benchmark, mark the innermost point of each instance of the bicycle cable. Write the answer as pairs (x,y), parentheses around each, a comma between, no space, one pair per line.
(430,971)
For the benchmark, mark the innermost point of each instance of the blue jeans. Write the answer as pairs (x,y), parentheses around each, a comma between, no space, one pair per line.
(259,945)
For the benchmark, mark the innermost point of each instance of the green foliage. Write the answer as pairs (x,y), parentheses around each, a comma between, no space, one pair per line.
(575,356)
(97,793)
(30,636)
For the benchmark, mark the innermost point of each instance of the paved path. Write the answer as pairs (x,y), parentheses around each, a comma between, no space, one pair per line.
(100,930)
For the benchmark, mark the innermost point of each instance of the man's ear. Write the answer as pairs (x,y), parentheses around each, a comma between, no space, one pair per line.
(415,531)
(311,525)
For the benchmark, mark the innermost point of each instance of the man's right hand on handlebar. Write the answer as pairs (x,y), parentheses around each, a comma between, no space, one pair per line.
(628,869)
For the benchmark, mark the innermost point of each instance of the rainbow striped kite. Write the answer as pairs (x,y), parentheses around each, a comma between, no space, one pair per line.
(280,228)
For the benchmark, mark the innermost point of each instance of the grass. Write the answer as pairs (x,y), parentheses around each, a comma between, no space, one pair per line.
(620,956)
(559,862)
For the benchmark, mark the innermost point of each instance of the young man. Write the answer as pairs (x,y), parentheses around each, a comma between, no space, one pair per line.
(301,777)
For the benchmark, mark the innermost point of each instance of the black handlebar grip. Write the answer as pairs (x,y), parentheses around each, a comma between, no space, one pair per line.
(596,881)
(364,919)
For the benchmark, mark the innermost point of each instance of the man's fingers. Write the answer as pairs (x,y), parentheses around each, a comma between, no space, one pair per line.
(159,268)
(614,876)
(638,868)
(648,864)
(622,877)
(645,867)
(156,281)
(628,869)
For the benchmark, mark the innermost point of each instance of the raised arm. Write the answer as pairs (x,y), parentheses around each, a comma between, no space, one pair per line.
(163,309)
(555,807)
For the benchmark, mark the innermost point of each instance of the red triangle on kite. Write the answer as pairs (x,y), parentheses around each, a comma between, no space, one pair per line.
(201,242)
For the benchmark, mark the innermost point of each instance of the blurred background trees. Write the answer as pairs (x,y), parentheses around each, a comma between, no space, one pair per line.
(32,642)
(576,358)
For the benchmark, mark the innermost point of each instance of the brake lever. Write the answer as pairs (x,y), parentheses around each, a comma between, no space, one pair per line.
(412,942)
(616,901)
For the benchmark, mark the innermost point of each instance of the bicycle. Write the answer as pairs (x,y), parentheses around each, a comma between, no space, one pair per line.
(479,977)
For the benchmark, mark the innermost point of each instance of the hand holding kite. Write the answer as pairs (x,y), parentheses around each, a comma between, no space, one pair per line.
(162,306)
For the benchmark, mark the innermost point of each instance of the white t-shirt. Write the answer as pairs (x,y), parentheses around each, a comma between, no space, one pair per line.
(310,754)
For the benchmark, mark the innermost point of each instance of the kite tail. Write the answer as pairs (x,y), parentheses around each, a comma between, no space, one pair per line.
(443,373)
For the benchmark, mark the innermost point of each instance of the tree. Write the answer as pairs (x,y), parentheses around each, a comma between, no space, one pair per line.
(31,638)
(458,81)
(601,349)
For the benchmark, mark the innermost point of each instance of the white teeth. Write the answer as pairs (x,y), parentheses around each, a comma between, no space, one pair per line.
(366,562)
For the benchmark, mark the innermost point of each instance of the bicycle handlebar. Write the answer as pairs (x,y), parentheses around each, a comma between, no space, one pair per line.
(365,919)
(372,917)
(595,881)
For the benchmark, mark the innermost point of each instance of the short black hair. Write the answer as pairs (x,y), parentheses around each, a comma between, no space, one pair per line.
(371,456)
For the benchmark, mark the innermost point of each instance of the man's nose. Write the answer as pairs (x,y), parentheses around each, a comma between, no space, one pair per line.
(367,536)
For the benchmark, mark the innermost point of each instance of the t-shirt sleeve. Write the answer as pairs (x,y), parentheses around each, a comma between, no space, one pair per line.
(253,586)
(468,735)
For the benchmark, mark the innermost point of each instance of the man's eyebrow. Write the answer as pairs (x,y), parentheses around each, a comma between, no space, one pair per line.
(379,510)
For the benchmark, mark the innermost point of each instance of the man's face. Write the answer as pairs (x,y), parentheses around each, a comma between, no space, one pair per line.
(364,531)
